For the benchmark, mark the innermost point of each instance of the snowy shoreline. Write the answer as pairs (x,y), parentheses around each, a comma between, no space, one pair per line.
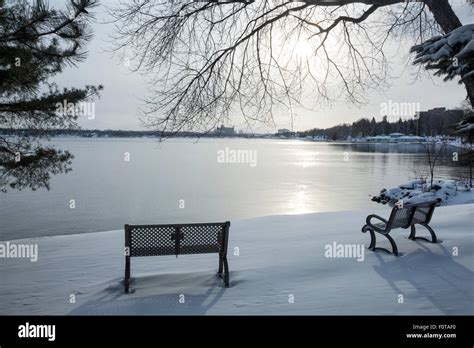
(280,258)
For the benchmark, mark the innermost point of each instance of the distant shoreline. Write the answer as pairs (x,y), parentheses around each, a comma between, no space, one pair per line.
(121,134)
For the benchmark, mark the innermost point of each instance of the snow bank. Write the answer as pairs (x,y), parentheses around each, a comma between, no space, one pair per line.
(282,268)
(450,192)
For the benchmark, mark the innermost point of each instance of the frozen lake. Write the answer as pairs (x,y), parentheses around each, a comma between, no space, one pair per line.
(139,181)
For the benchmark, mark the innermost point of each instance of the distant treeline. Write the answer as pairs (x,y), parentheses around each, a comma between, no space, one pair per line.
(429,123)
(86,133)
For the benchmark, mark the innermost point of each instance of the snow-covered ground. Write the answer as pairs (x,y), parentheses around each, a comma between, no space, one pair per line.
(282,268)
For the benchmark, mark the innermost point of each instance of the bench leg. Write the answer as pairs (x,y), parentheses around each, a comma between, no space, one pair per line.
(392,243)
(434,239)
(126,281)
(372,237)
(221,263)
(413,236)
(224,269)
(373,242)
(226,274)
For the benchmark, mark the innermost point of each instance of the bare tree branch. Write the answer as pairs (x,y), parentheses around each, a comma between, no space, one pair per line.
(210,59)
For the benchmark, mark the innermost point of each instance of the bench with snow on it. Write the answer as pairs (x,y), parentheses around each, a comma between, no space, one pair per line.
(402,216)
(177,239)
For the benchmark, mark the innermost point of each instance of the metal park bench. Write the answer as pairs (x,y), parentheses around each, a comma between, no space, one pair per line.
(401,217)
(160,240)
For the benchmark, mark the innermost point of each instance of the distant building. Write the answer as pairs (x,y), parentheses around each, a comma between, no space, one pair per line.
(319,138)
(225,131)
(283,131)
(437,121)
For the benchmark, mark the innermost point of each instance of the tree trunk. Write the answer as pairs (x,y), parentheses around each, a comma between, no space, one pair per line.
(444,14)
(448,21)
(471,163)
(470,90)
(470,175)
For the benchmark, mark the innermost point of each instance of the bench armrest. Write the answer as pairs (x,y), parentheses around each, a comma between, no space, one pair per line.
(373,216)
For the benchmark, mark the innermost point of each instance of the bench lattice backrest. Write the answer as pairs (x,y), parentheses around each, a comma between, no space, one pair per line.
(401,217)
(157,240)
(424,212)
(178,239)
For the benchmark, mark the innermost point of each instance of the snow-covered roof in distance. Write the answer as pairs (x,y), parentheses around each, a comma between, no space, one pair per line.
(412,137)
(379,137)
(403,137)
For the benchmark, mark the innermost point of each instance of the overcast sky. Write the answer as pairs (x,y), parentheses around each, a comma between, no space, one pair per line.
(118,107)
